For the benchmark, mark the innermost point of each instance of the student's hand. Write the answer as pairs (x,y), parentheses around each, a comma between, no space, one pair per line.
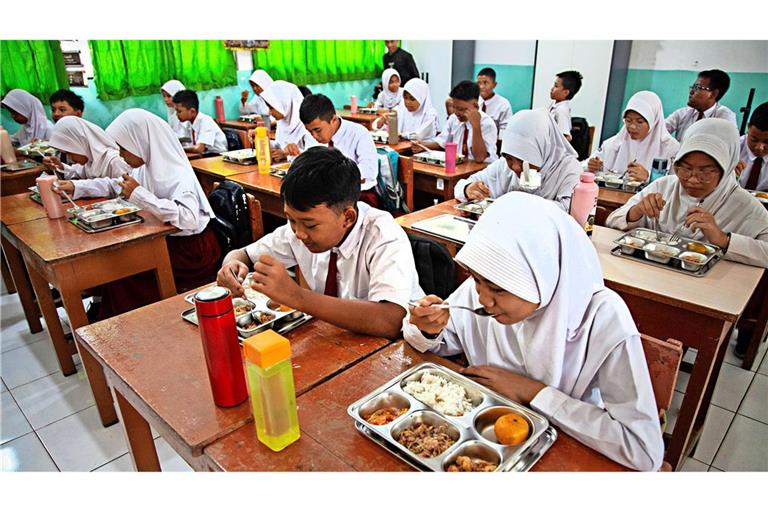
(276,155)
(595,164)
(477,190)
(512,385)
(649,206)
(370,104)
(292,150)
(270,278)
(52,162)
(429,320)
(65,186)
(699,218)
(568,137)
(226,278)
(243,97)
(473,116)
(739,167)
(128,185)
(637,172)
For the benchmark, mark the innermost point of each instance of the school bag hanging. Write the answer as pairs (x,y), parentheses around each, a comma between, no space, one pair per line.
(390,193)
(232,223)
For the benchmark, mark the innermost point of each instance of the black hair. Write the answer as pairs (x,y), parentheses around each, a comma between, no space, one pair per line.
(321,175)
(717,80)
(305,91)
(489,72)
(75,101)
(316,106)
(466,90)
(759,117)
(187,98)
(571,81)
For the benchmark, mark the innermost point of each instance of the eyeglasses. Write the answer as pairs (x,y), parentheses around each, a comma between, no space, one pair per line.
(697,87)
(703,176)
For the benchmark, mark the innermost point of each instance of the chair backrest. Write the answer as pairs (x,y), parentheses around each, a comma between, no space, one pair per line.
(580,136)
(434,265)
(234,142)
(233,218)
(405,176)
(663,359)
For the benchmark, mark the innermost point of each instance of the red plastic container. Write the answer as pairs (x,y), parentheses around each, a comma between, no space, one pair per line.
(219,109)
(450,157)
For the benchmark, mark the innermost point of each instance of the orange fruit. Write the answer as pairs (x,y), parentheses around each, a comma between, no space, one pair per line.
(511,429)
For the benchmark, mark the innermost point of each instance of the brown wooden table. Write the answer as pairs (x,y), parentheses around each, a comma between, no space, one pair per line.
(407,221)
(16,182)
(404,147)
(154,361)
(330,442)
(613,198)
(57,252)
(432,179)
(363,119)
(215,168)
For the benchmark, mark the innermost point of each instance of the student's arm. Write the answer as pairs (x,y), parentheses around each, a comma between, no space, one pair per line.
(673,121)
(447,326)
(426,130)
(747,250)
(197,149)
(97,187)
(206,137)
(483,179)
(490,138)
(564,194)
(504,117)
(182,211)
(629,216)
(447,135)
(367,159)
(479,150)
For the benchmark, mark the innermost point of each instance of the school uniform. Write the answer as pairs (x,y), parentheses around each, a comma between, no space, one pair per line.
(38,126)
(286,98)
(462,134)
(754,176)
(171,87)
(76,135)
(205,130)
(257,105)
(374,262)
(683,118)
(418,125)
(500,110)
(356,143)
(388,99)
(561,112)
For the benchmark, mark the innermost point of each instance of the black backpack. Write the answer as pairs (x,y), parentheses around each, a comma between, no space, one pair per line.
(580,136)
(232,224)
(233,139)
(434,265)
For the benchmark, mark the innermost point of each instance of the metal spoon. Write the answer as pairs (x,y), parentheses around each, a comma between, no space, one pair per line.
(478,311)
(64,193)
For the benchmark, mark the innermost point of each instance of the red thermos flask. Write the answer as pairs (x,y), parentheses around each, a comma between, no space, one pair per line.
(219,109)
(216,318)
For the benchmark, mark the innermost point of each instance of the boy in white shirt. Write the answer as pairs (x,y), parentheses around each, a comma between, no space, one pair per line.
(353,140)
(703,98)
(205,133)
(566,85)
(65,103)
(356,260)
(469,127)
(495,105)
(753,156)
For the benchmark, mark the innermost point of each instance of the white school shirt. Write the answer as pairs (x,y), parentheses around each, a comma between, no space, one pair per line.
(356,143)
(115,169)
(500,110)
(561,111)
(682,118)
(180,129)
(454,132)
(204,129)
(256,105)
(374,262)
(746,155)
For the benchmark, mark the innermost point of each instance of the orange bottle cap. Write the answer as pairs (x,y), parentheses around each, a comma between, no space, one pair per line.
(267,349)
(261,131)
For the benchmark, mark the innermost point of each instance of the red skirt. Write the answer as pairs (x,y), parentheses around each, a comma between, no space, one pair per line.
(195,260)
(369,197)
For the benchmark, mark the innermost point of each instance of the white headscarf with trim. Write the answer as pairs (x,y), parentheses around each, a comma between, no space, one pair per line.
(38,126)
(76,135)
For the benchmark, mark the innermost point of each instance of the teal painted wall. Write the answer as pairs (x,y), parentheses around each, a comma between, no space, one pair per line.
(104,112)
(514,82)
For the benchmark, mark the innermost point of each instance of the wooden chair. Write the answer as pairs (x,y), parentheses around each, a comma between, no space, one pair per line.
(591,139)
(405,176)
(254,212)
(601,215)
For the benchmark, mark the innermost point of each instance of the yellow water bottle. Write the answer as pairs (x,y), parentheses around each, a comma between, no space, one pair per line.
(261,143)
(270,383)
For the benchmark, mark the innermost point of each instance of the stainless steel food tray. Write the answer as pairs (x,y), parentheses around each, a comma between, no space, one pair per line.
(90,230)
(103,215)
(474,206)
(450,227)
(435,157)
(474,428)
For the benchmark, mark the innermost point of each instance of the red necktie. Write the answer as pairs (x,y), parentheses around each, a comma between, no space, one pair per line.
(330,143)
(701,116)
(331,280)
(754,174)
(464,150)
(484,106)
(193,137)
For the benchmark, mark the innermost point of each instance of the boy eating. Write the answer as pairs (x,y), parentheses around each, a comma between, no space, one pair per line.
(206,134)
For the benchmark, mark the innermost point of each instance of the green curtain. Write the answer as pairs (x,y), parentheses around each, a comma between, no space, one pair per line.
(35,66)
(139,68)
(320,61)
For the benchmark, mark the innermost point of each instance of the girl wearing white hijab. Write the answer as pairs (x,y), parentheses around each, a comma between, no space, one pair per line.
(28,111)
(260,81)
(284,101)
(416,117)
(558,340)
(703,200)
(94,153)
(532,136)
(643,137)
(391,95)
(168,89)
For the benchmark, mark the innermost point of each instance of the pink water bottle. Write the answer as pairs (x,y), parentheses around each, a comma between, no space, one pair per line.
(219,109)
(450,157)
(584,202)
(51,200)
(353,104)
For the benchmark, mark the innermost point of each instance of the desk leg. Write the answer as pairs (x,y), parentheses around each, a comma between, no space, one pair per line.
(23,286)
(7,277)
(163,271)
(139,435)
(73,303)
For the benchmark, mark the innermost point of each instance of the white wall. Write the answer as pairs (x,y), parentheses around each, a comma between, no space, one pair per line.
(505,52)
(592,59)
(435,58)
(730,56)
(244,60)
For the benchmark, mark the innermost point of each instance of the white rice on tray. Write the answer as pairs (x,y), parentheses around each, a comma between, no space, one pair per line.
(440,394)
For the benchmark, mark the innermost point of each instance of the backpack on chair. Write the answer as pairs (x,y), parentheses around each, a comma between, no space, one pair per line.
(434,265)
(233,139)
(232,224)
(391,194)
(580,136)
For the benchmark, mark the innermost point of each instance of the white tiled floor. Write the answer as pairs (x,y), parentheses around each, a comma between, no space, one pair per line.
(49,422)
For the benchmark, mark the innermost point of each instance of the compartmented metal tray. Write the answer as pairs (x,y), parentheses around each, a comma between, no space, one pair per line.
(472,432)
(104,215)
(450,227)
(20,165)
(436,157)
(40,148)
(240,156)
(686,256)
(368,110)
(475,207)
(280,170)
(612,180)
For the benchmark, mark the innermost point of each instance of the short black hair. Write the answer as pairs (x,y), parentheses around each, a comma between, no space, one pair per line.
(571,81)
(316,106)
(187,98)
(321,175)
(75,101)
(305,91)
(759,117)
(489,72)
(466,90)
(717,80)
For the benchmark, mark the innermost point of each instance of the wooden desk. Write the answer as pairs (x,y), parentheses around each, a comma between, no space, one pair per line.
(215,168)
(363,119)
(432,179)
(612,199)
(330,442)
(265,188)
(59,253)
(406,221)
(154,361)
(17,182)
(404,147)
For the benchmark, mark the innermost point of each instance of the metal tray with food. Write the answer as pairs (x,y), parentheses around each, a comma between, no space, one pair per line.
(475,207)
(249,118)
(280,170)
(438,420)
(104,215)
(40,148)
(240,156)
(368,110)
(435,157)
(685,255)
(760,196)
(616,181)
(20,165)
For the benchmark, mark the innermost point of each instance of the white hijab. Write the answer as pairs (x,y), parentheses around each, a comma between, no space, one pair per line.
(166,166)
(387,98)
(261,78)
(534,137)
(412,121)
(286,98)
(548,259)
(38,126)
(624,150)
(76,135)
(171,87)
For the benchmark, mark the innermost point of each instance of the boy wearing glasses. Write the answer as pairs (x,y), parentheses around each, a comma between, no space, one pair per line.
(703,98)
